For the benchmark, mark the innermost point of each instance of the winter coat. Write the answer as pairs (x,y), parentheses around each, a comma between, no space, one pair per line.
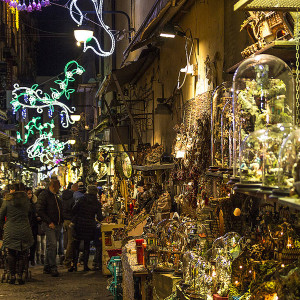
(84,212)
(33,221)
(49,208)
(17,232)
(68,203)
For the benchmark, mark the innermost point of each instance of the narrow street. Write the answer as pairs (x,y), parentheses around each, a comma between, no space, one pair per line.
(76,285)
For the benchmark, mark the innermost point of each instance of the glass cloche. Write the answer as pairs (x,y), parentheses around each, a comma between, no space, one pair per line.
(221,124)
(263,95)
(259,157)
(289,163)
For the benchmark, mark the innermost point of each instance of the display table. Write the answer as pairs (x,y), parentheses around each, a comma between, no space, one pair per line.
(108,243)
(132,270)
(164,284)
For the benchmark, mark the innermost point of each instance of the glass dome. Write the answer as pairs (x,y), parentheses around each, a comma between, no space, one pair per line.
(260,154)
(289,162)
(263,95)
(251,157)
(221,124)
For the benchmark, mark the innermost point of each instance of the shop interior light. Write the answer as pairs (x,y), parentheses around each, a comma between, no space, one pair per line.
(72,142)
(83,34)
(188,69)
(180,154)
(75,118)
(168,31)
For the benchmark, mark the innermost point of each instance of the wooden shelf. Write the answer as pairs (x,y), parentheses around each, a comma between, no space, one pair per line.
(153,167)
(286,50)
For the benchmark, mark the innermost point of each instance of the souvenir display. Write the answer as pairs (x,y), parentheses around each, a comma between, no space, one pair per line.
(221,127)
(263,95)
(289,163)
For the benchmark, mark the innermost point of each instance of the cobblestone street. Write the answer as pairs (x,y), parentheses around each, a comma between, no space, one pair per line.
(76,285)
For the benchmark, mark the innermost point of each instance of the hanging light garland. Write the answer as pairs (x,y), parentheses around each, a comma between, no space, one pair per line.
(29,6)
(74,10)
(35,98)
(45,147)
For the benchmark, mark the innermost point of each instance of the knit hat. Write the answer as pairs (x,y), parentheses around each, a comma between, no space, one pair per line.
(81,186)
(92,189)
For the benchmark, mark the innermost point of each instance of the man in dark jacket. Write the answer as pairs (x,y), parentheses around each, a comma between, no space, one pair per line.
(84,212)
(68,203)
(49,209)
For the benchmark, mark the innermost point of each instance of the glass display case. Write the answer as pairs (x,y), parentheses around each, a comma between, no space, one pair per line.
(289,163)
(171,244)
(221,124)
(259,157)
(263,95)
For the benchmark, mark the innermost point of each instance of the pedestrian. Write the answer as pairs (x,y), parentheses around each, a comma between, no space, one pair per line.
(79,193)
(84,212)
(68,203)
(33,223)
(17,237)
(41,237)
(49,209)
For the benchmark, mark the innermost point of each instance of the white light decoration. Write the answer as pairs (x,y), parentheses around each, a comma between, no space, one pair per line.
(74,9)
(25,97)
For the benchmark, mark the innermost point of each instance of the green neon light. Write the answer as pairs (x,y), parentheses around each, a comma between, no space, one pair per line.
(33,97)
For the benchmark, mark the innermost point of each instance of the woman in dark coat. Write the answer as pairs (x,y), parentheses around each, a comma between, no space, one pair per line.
(84,212)
(17,237)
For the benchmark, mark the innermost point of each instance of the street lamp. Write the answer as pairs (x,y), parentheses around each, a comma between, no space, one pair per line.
(75,118)
(83,34)
(71,142)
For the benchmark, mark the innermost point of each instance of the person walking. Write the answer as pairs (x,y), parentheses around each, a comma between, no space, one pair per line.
(33,223)
(79,192)
(17,236)
(41,237)
(49,209)
(68,203)
(84,212)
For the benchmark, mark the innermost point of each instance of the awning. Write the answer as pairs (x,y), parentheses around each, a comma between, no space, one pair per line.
(130,73)
(160,14)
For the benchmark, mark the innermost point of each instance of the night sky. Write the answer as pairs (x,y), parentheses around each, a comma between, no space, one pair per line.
(55,50)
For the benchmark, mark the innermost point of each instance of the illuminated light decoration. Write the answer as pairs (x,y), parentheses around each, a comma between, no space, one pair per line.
(46,153)
(24,113)
(33,5)
(50,113)
(24,97)
(74,9)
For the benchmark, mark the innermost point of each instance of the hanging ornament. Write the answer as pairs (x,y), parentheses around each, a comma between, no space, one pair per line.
(29,6)
(75,12)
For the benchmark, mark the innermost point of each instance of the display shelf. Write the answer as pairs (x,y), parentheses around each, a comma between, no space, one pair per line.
(153,167)
(293,202)
(286,50)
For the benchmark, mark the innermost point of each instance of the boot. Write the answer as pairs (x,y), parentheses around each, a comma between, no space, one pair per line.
(11,262)
(20,279)
(23,258)
(42,259)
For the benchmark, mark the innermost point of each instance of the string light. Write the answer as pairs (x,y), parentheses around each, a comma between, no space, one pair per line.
(74,9)
(24,97)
